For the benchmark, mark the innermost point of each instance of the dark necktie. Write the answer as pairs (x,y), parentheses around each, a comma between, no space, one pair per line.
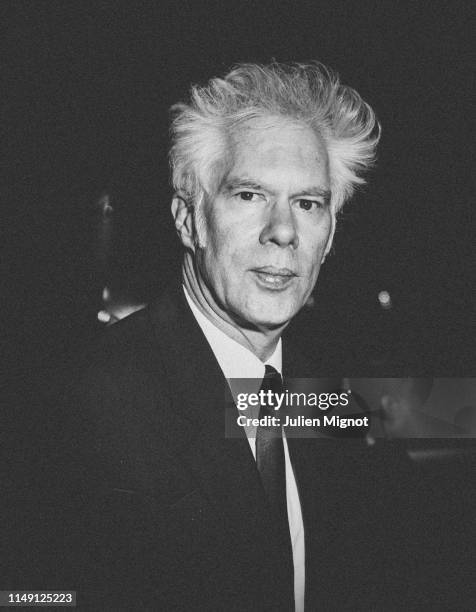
(270,458)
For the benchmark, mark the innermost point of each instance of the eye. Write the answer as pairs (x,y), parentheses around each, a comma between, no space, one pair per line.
(309,204)
(247,196)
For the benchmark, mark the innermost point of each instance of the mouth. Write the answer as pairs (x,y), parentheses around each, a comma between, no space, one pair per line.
(274,278)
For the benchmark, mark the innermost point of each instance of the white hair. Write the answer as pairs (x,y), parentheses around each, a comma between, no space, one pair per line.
(308,93)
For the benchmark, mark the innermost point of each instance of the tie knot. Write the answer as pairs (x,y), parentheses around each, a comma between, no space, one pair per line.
(272,380)
(269,370)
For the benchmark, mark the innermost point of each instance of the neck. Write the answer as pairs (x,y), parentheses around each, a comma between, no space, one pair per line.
(261,342)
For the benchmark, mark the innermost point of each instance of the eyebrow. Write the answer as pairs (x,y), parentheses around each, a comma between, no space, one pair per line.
(249,183)
(232,184)
(317,192)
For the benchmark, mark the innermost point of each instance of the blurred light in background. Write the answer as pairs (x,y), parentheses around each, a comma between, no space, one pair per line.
(104,205)
(385,300)
(104,316)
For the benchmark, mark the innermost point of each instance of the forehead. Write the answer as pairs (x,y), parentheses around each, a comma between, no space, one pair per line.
(284,151)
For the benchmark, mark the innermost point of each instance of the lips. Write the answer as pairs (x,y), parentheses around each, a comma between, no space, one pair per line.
(274,278)
(276,271)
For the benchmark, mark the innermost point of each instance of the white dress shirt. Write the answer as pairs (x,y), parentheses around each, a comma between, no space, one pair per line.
(236,361)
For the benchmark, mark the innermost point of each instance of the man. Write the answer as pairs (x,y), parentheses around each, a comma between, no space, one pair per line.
(167,512)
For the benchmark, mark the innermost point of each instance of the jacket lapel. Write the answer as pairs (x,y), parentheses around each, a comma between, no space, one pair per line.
(224,468)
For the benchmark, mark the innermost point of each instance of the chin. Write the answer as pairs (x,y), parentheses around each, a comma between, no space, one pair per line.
(272,317)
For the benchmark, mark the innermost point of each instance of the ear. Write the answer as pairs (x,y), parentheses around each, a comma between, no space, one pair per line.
(182,212)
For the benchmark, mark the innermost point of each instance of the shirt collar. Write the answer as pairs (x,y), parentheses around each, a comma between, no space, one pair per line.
(235,360)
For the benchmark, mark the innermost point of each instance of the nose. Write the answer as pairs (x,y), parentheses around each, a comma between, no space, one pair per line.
(280,226)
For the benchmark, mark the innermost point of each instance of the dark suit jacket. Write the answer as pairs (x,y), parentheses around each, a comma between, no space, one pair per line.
(159,510)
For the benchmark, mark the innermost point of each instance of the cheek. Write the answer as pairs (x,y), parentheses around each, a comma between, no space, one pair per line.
(312,256)
(315,241)
(227,245)
(217,240)
(223,255)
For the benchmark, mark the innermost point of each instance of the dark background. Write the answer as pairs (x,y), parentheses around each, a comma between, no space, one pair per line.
(87,90)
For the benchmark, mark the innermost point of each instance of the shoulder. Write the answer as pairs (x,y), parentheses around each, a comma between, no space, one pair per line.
(116,353)
(116,404)
(119,341)
(122,374)
(139,343)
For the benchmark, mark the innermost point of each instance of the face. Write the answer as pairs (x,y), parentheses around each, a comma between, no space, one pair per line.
(268,228)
